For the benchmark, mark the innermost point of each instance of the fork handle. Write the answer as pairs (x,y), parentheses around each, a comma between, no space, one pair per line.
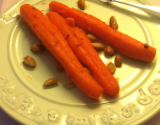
(155,10)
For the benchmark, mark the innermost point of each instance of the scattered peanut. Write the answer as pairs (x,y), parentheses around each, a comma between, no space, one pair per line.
(109,50)
(69,85)
(145,45)
(98,46)
(113,22)
(111,67)
(92,37)
(118,60)
(29,61)
(81,4)
(50,82)
(37,47)
(89,72)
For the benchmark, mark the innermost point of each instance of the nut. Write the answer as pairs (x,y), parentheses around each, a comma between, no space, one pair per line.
(118,60)
(92,37)
(89,72)
(29,61)
(37,47)
(98,46)
(81,4)
(113,22)
(111,67)
(69,84)
(50,82)
(109,50)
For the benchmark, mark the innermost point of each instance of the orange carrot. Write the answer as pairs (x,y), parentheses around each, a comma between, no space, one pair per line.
(121,42)
(57,45)
(82,47)
(70,22)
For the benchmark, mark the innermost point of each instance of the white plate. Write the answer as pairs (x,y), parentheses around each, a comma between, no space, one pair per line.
(24,98)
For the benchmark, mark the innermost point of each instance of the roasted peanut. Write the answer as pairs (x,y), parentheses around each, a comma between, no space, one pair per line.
(69,84)
(111,67)
(98,46)
(113,22)
(38,47)
(50,82)
(118,60)
(87,70)
(29,61)
(109,50)
(92,37)
(81,4)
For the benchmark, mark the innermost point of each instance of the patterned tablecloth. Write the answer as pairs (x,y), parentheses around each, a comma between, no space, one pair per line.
(6,120)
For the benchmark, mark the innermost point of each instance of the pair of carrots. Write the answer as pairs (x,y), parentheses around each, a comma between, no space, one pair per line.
(53,40)
(121,42)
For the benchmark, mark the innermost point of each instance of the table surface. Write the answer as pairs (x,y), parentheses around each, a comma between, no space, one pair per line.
(6,120)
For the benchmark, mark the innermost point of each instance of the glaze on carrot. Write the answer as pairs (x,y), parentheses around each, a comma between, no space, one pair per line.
(121,42)
(57,45)
(82,47)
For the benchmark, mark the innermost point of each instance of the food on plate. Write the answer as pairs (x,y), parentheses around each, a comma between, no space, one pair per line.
(113,23)
(53,40)
(118,60)
(52,81)
(109,50)
(69,84)
(89,72)
(29,61)
(98,46)
(121,42)
(38,47)
(70,21)
(81,4)
(92,37)
(111,67)
(82,47)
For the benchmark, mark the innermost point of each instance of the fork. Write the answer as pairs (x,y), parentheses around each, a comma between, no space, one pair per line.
(155,10)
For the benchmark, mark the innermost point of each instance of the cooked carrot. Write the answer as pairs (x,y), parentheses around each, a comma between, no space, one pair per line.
(57,45)
(82,47)
(71,21)
(121,42)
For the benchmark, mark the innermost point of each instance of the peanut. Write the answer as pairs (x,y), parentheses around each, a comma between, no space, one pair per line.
(98,46)
(113,23)
(111,67)
(89,72)
(81,4)
(29,61)
(92,37)
(109,50)
(37,47)
(50,82)
(69,84)
(118,60)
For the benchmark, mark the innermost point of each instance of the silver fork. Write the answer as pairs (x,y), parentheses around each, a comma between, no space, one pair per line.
(155,10)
